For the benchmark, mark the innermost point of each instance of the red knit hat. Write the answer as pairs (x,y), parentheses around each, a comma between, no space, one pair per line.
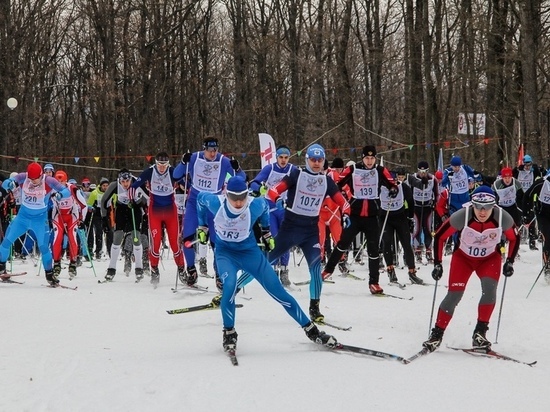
(34,170)
(506,172)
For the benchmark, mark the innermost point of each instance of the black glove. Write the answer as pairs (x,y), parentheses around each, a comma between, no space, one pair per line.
(508,268)
(424,181)
(186,157)
(235,164)
(105,224)
(267,239)
(81,225)
(393,192)
(437,272)
(255,193)
(411,225)
(450,174)
(528,217)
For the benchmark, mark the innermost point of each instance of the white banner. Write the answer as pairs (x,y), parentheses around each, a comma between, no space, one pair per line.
(267,149)
(475,122)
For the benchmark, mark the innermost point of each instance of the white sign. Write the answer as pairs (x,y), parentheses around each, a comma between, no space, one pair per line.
(476,122)
(267,149)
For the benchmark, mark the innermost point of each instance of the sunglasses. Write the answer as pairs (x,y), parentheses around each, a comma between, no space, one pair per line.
(483,206)
(163,162)
(317,160)
(237,196)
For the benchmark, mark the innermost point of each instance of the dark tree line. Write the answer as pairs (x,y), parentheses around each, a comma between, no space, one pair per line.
(120,80)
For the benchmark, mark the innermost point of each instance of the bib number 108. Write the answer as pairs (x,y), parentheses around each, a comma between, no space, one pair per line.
(477,251)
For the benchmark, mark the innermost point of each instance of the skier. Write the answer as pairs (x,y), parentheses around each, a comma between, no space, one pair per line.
(480,226)
(526,174)
(33,214)
(127,222)
(235,214)
(162,211)
(268,177)
(207,172)
(307,188)
(364,179)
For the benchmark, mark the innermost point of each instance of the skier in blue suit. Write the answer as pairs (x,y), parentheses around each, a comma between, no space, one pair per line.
(235,214)
(36,189)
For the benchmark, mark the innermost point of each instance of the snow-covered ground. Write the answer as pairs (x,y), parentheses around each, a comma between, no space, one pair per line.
(113,347)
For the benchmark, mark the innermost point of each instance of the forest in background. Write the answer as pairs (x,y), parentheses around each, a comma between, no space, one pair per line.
(104,84)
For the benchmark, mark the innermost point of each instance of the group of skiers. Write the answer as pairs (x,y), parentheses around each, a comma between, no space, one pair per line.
(207,197)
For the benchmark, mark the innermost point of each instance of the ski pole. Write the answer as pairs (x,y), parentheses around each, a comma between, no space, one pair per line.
(383,228)
(540,273)
(433,307)
(500,309)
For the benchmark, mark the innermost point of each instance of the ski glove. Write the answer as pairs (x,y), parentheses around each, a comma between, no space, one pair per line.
(508,268)
(105,224)
(58,196)
(437,272)
(411,225)
(267,239)
(346,221)
(186,157)
(202,235)
(235,164)
(8,184)
(281,204)
(393,192)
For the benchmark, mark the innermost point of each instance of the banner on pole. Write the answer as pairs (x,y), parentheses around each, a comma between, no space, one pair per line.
(267,149)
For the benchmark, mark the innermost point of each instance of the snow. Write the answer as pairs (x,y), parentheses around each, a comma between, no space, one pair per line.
(113,347)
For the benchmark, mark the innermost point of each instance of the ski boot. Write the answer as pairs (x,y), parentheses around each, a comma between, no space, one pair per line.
(326,275)
(283,276)
(391,273)
(52,278)
(343,266)
(110,274)
(415,280)
(314,313)
(182,274)
(429,256)
(78,261)
(319,337)
(3,268)
(139,274)
(203,268)
(479,340)
(57,268)
(533,244)
(418,255)
(72,270)
(229,339)
(217,301)
(435,339)
(155,275)
(375,289)
(191,276)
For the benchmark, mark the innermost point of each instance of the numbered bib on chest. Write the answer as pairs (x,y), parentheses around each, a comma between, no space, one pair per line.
(506,196)
(479,245)
(311,190)
(424,195)
(459,182)
(122,195)
(365,184)
(33,196)
(161,185)
(387,203)
(544,195)
(525,179)
(232,229)
(206,175)
(179,199)
(274,178)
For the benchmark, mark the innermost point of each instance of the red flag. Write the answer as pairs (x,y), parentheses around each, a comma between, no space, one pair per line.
(520,155)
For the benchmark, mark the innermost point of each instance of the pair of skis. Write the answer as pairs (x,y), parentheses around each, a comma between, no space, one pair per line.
(480,352)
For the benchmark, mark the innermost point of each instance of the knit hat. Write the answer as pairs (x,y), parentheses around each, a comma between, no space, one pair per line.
(283,151)
(337,163)
(506,172)
(85,181)
(236,188)
(369,151)
(439,175)
(103,180)
(315,151)
(456,161)
(34,170)
(72,181)
(48,166)
(210,142)
(423,165)
(61,176)
(483,195)
(527,159)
